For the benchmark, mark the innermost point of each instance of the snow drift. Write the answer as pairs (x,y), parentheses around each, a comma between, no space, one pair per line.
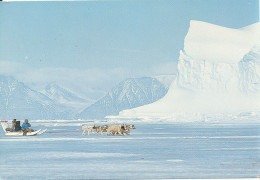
(218,73)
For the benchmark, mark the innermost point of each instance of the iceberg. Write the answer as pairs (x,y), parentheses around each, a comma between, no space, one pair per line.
(218,73)
(214,43)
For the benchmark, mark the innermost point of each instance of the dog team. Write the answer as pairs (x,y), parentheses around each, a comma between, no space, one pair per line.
(113,129)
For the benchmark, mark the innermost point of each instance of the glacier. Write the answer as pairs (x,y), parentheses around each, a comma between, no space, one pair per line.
(218,75)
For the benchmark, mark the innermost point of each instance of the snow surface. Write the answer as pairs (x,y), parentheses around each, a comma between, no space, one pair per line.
(176,150)
(218,73)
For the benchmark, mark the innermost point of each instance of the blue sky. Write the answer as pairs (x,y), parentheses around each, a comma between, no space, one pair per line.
(103,42)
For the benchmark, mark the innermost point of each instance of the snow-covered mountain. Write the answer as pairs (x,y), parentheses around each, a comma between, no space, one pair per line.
(218,73)
(66,97)
(128,94)
(19,101)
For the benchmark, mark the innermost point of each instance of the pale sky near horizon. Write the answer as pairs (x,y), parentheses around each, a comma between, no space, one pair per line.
(99,43)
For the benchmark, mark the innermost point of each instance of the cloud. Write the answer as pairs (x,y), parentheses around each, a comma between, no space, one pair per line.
(164,68)
(10,68)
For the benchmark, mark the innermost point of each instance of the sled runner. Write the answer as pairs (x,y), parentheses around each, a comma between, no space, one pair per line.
(5,126)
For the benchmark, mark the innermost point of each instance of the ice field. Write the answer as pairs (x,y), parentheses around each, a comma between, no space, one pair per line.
(180,150)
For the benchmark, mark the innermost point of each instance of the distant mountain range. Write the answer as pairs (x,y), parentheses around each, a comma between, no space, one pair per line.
(128,94)
(55,102)
(19,101)
(66,97)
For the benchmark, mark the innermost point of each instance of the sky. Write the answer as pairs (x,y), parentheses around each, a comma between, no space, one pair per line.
(90,46)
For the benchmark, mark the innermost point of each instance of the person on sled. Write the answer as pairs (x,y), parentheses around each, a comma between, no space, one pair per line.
(16,126)
(25,127)
(13,124)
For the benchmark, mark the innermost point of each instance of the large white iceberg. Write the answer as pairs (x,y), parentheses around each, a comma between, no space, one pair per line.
(218,73)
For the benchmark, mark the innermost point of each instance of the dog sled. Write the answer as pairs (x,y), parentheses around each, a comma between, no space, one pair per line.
(5,127)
